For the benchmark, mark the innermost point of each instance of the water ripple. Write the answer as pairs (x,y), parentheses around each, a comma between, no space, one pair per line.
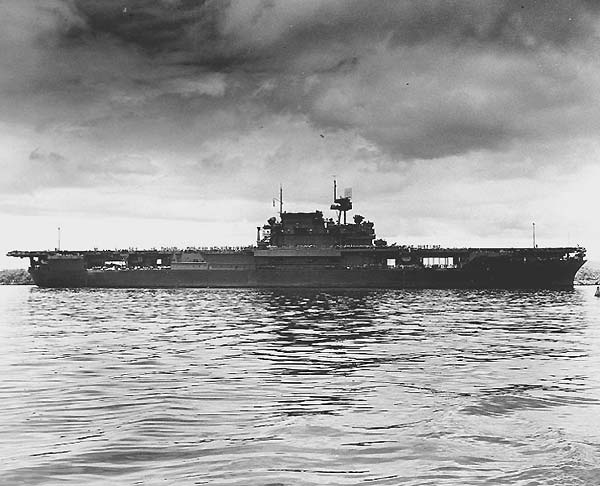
(299,387)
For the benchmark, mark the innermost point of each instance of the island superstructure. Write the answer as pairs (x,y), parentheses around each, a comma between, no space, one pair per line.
(305,249)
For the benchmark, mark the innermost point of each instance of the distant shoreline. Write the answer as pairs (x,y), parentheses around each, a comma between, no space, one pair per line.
(17,276)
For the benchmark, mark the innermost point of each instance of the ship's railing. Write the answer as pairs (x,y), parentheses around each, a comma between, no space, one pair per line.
(218,248)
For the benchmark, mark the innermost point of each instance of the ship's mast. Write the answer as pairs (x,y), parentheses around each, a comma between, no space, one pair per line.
(280,200)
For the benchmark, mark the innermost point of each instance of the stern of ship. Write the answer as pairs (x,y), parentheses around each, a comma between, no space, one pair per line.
(58,270)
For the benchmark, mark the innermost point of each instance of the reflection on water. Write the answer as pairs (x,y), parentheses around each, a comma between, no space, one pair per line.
(299,387)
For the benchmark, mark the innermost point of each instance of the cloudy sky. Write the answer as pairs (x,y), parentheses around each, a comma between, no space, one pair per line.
(173,122)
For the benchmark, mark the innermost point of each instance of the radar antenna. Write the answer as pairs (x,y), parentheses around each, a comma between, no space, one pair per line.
(341,204)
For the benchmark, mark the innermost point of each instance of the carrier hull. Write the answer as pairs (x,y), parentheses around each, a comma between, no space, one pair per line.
(544,274)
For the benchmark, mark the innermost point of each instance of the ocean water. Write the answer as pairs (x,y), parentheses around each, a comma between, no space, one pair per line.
(278,387)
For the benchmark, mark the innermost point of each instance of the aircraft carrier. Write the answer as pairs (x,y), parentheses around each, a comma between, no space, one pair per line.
(305,249)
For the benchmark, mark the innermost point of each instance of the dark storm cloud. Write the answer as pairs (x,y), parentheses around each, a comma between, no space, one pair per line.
(413,77)
(244,31)
(156,26)
(420,79)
